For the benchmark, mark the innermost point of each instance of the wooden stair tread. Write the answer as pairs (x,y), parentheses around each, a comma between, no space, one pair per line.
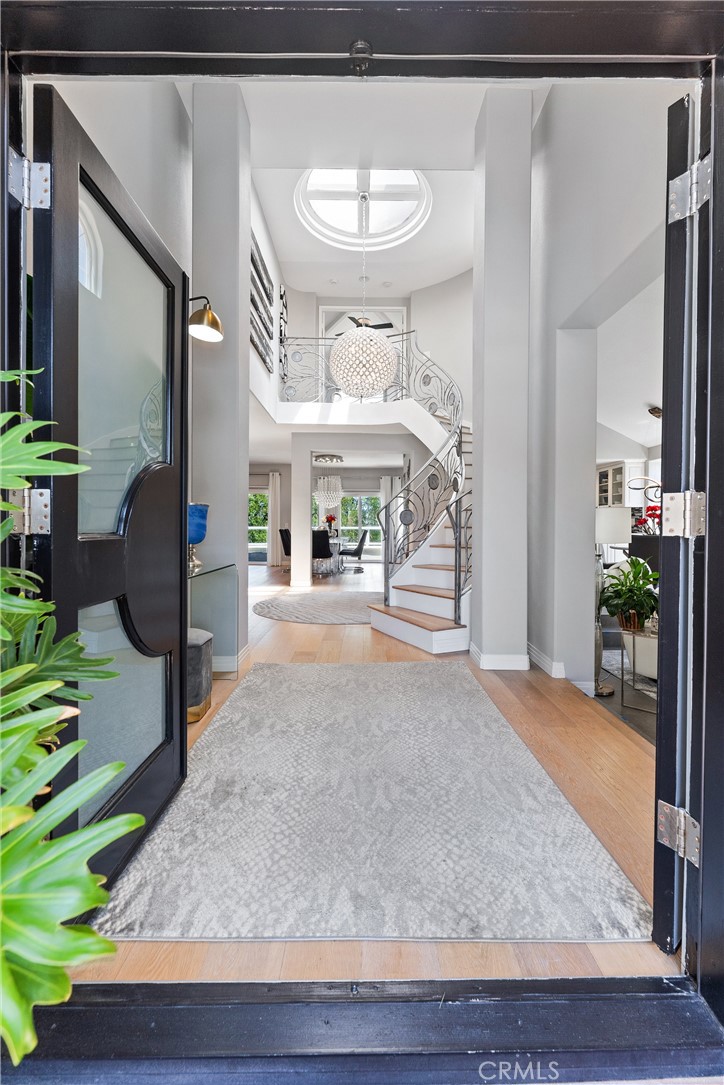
(426,589)
(431,622)
(441,568)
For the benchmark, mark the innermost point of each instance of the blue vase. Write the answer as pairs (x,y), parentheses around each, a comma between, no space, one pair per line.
(197,516)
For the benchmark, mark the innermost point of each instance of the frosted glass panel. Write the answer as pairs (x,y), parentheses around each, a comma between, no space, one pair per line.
(125,721)
(121,366)
(342,214)
(387,214)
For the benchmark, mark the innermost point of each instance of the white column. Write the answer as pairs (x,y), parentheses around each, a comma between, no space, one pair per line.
(301,570)
(574,511)
(220,371)
(501,297)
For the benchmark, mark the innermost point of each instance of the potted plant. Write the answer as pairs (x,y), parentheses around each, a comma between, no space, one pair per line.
(330,520)
(629,594)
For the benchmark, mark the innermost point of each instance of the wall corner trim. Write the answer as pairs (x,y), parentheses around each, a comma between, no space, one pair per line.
(552,667)
(499,662)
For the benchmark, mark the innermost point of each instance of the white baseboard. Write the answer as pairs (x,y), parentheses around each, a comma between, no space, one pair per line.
(487,662)
(550,666)
(243,655)
(589,688)
(300,584)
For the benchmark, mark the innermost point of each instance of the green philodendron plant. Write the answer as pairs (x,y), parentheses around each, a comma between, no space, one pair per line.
(44,882)
(631,591)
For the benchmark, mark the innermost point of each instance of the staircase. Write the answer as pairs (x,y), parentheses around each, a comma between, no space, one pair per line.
(427,603)
(426,527)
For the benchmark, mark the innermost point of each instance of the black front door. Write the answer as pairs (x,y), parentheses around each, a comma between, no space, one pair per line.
(109,309)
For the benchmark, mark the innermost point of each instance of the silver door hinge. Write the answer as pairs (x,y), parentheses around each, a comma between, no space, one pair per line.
(676,829)
(33,513)
(28,182)
(683,515)
(690,190)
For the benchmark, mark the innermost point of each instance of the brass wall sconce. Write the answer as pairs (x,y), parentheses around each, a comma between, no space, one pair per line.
(204,324)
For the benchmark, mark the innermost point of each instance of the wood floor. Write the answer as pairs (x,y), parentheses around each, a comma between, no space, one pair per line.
(603,767)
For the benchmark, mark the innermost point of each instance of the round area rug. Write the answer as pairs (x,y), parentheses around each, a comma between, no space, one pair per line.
(320,608)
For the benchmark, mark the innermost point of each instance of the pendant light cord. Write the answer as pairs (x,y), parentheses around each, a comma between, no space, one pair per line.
(364,199)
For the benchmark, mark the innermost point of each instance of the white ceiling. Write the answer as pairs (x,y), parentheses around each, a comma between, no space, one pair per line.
(441,249)
(403,124)
(271,442)
(426,126)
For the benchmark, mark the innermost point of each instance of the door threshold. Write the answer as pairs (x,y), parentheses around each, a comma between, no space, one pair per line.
(393,1032)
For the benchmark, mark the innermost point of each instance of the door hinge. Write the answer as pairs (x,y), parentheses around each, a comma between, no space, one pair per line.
(28,182)
(690,190)
(32,516)
(676,829)
(683,515)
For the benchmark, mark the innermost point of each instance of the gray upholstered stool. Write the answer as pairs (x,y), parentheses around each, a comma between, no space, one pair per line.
(198,674)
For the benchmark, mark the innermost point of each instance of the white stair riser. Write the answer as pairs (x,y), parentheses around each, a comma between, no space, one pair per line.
(446,640)
(435,578)
(425,604)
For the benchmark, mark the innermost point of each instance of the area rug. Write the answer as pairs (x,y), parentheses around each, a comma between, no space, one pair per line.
(612,664)
(369,801)
(320,608)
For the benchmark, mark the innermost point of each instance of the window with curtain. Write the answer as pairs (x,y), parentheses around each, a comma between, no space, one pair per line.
(258,526)
(357,513)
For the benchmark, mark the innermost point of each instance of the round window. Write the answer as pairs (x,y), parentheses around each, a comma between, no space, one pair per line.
(328,203)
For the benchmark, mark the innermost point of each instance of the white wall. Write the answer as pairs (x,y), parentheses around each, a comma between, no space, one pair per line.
(220,402)
(612,446)
(500,379)
(442,317)
(302,322)
(596,243)
(145,134)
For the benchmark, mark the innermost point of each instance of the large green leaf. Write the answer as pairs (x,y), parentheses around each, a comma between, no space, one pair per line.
(64,660)
(44,883)
(21,459)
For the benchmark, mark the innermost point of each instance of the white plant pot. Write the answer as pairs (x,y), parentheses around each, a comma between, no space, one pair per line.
(647,654)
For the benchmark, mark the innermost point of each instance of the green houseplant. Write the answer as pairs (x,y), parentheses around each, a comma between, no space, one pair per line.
(629,594)
(44,882)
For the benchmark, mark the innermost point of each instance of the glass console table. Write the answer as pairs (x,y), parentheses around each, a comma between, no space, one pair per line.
(646,642)
(214,605)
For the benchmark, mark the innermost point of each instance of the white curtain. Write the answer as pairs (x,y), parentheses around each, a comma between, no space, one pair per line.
(274,542)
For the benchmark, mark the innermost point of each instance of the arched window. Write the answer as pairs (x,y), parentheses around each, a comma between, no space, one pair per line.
(90,250)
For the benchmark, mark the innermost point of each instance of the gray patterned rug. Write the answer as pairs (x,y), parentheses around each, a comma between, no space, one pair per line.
(370,800)
(320,607)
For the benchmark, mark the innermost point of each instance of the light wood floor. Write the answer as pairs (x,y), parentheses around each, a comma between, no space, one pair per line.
(604,768)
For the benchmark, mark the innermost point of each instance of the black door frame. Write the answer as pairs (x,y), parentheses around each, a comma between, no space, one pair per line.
(671,38)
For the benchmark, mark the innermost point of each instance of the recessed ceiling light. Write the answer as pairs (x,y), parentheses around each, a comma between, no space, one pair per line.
(364,278)
(333,282)
(387,284)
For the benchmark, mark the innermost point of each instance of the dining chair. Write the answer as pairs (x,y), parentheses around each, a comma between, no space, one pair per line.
(357,552)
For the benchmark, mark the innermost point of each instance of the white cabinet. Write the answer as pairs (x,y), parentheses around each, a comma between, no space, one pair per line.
(613,483)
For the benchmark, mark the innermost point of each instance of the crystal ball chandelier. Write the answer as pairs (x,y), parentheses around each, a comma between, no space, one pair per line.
(329,491)
(363,362)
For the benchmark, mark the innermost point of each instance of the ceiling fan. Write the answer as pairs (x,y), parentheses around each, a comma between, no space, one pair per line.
(363,322)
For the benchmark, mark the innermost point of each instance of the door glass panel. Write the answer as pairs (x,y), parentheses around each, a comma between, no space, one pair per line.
(121,366)
(125,721)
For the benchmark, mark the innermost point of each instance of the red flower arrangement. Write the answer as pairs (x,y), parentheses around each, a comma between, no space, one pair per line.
(330,518)
(650,522)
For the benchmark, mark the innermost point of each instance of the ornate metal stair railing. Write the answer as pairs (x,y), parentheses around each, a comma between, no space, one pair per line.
(409,518)
(460,514)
